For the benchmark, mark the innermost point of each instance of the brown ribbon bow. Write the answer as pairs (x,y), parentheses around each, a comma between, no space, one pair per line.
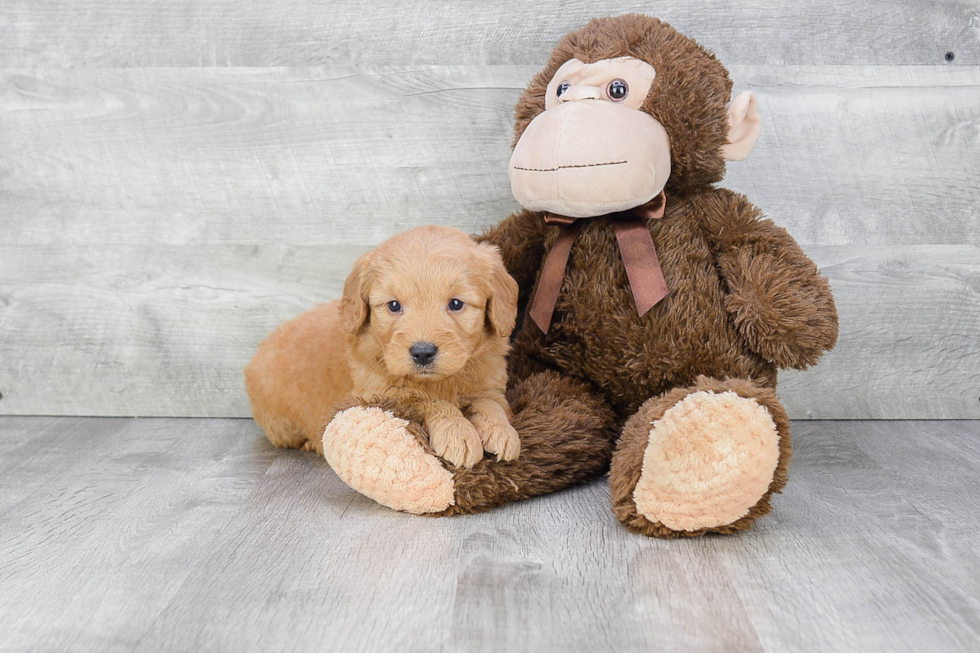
(635,246)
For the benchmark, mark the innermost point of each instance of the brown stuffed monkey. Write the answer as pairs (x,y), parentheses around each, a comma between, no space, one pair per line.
(659,306)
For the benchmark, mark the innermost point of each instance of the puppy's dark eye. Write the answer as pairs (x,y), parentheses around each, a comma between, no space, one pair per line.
(456,305)
(394,307)
(564,86)
(618,90)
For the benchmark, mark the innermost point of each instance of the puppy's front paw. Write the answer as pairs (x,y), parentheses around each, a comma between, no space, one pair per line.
(456,440)
(498,437)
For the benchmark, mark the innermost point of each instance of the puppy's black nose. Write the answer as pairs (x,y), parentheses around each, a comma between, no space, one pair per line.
(423,353)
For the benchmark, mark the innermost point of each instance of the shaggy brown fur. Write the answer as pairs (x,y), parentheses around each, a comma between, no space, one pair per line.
(544,405)
(744,298)
(360,347)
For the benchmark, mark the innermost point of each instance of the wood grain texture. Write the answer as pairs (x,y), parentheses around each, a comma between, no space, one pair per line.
(295,32)
(101,519)
(166,330)
(157,224)
(343,155)
(175,534)
(148,330)
(909,345)
(178,178)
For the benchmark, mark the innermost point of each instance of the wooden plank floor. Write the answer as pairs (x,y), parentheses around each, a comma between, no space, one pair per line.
(195,535)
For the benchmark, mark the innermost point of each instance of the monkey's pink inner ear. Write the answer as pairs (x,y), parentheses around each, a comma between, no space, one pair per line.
(744,126)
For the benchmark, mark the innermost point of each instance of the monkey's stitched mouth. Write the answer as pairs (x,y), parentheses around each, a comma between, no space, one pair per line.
(581,165)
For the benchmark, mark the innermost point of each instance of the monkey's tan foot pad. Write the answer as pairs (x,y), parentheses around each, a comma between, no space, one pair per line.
(708,461)
(374,453)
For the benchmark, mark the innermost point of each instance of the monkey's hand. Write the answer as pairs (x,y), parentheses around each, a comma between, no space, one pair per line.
(781,305)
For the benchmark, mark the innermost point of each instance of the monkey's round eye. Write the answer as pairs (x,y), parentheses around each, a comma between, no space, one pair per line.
(618,90)
(394,306)
(456,305)
(564,86)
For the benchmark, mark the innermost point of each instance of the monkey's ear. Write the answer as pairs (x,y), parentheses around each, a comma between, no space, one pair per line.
(744,126)
(354,307)
(502,296)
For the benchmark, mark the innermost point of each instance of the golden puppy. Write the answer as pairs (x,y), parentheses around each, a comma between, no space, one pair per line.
(424,320)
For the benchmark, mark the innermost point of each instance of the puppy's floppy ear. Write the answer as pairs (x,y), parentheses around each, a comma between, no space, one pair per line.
(354,307)
(502,294)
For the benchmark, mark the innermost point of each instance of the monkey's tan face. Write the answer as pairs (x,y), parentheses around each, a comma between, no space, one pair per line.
(593,150)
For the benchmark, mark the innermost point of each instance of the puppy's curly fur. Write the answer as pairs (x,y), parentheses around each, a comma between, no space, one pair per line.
(431,287)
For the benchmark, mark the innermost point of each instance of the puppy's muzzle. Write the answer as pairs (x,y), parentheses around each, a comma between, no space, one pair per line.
(423,353)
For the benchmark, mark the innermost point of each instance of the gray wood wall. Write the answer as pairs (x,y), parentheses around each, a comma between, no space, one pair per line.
(178,178)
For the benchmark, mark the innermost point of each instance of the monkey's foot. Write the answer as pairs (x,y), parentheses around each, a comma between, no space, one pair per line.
(709,459)
(376,454)
(697,461)
(382,451)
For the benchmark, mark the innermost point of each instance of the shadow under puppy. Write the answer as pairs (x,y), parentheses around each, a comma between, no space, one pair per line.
(423,325)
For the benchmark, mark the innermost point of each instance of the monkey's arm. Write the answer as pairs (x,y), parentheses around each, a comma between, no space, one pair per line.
(520,239)
(776,295)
